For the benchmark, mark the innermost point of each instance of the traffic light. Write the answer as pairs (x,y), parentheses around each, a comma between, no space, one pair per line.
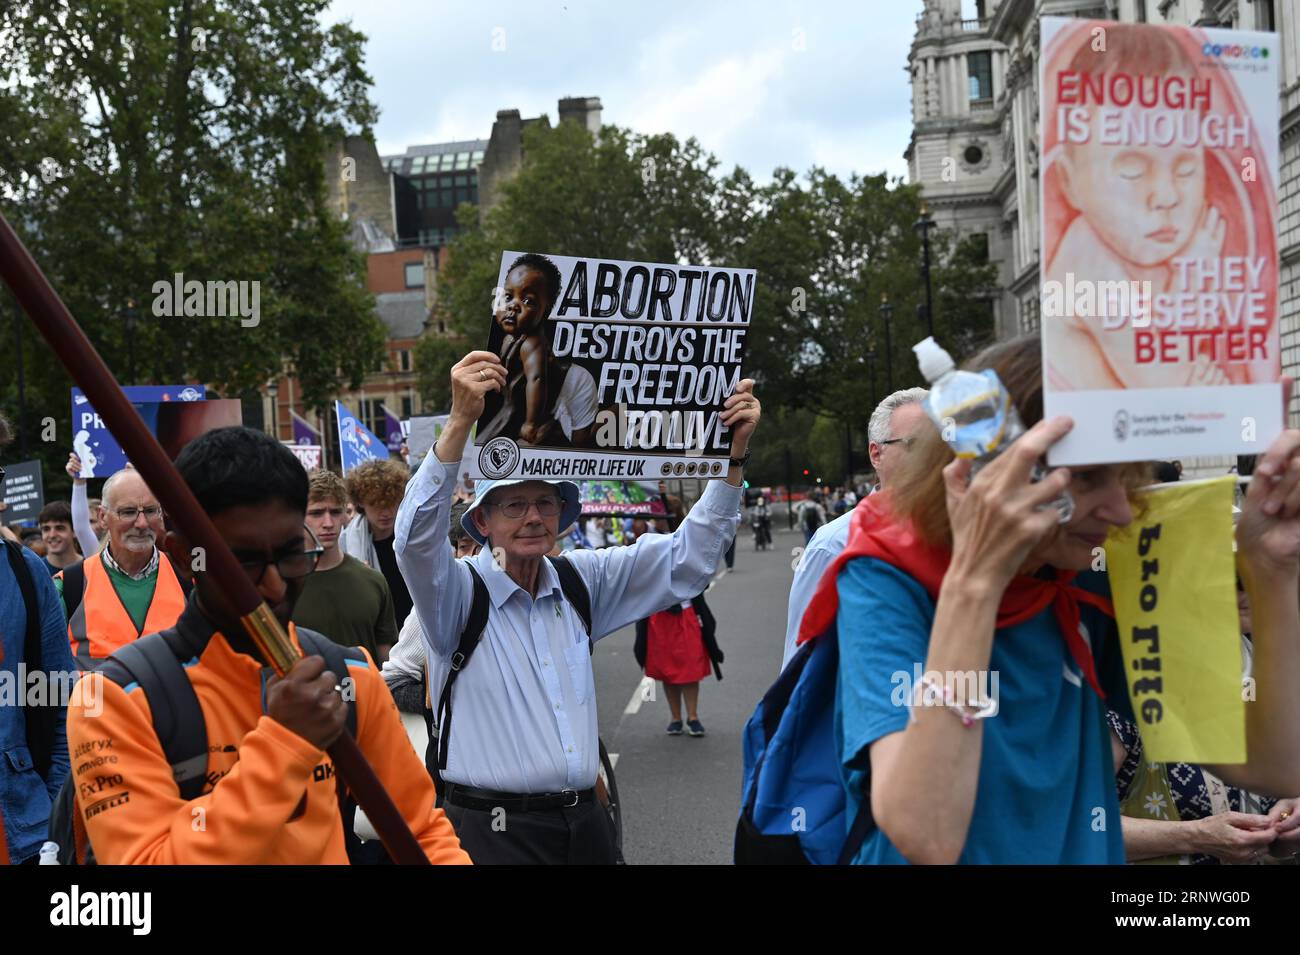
(805,472)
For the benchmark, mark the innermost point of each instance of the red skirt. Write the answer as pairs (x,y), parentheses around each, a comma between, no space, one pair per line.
(675,648)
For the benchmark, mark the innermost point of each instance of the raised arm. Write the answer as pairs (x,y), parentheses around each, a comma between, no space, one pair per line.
(1268,559)
(628,583)
(440,585)
(80,512)
(996,522)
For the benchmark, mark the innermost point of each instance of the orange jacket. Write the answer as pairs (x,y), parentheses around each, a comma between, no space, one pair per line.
(270,795)
(100,624)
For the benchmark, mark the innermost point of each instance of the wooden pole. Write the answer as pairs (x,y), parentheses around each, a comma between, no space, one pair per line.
(53,320)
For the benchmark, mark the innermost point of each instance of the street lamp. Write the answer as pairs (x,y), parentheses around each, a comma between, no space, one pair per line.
(887,313)
(130,316)
(273,389)
(923,225)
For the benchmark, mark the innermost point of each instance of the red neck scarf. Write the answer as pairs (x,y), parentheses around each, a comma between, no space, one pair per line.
(875,532)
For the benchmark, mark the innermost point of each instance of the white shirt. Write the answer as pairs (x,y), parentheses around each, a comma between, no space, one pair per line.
(524,709)
(827,543)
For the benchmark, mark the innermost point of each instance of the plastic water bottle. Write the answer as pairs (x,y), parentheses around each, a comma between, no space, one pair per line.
(49,854)
(974,413)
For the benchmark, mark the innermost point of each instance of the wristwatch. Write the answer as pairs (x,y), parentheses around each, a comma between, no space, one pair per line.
(740,462)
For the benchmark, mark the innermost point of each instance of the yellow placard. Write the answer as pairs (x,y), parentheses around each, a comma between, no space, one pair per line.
(1173,581)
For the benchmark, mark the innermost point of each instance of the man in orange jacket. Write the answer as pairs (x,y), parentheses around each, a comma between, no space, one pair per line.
(269,794)
(130,587)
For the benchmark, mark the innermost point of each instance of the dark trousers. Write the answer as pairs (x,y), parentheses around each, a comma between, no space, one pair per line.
(583,835)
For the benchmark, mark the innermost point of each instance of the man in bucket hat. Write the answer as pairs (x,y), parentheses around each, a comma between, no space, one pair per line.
(519,762)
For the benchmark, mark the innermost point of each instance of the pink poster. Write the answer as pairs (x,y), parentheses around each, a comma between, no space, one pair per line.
(1159,275)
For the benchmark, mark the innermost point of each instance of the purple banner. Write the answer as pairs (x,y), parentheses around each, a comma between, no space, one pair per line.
(393,431)
(303,433)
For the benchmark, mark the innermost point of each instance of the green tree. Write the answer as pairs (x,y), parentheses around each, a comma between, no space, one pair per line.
(139,140)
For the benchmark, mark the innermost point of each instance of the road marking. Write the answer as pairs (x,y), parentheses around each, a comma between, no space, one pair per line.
(639,696)
(613,760)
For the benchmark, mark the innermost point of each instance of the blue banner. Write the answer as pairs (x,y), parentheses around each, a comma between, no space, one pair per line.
(357,443)
(99,451)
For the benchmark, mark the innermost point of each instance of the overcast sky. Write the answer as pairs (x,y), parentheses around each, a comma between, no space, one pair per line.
(759,84)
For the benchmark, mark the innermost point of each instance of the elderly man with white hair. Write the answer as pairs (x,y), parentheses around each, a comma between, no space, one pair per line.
(510,632)
(130,587)
(889,435)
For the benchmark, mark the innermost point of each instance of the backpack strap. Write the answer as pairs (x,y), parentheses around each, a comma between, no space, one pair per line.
(575,592)
(863,823)
(74,584)
(182,578)
(469,639)
(39,719)
(157,664)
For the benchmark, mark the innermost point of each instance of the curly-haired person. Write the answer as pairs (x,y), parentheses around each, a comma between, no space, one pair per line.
(376,489)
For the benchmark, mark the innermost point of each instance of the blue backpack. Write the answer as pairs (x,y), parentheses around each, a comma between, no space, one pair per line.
(793,810)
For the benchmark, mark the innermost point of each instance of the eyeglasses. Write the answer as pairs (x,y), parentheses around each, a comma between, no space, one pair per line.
(290,567)
(905,442)
(546,507)
(129,514)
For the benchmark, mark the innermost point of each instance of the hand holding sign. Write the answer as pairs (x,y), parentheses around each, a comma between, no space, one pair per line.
(1268,533)
(73,467)
(740,413)
(471,379)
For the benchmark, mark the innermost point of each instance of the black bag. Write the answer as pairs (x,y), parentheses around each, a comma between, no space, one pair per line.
(155,662)
(575,592)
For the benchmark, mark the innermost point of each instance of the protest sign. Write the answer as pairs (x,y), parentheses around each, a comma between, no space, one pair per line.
(619,499)
(357,443)
(614,369)
(1159,252)
(24,492)
(423,434)
(99,451)
(177,423)
(308,454)
(1173,581)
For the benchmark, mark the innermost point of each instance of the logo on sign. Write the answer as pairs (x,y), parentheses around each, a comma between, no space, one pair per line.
(190,394)
(498,457)
(1121,425)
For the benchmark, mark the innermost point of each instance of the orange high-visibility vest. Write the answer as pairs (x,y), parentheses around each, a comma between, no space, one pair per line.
(100,624)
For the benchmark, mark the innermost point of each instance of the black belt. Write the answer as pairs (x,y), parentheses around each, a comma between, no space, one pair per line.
(467,797)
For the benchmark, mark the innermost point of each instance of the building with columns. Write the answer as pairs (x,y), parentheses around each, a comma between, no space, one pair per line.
(974,147)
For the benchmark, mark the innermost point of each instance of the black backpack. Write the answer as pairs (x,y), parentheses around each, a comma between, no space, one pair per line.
(575,592)
(40,720)
(156,663)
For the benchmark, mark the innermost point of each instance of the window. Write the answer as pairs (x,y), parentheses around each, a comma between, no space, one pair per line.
(1265,16)
(372,414)
(406,408)
(977,246)
(979,68)
(404,359)
(414,275)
